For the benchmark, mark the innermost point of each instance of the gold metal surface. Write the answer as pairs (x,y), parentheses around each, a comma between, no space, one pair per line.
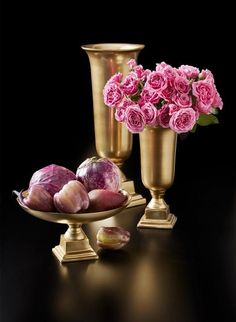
(112,138)
(74,244)
(157,150)
(137,199)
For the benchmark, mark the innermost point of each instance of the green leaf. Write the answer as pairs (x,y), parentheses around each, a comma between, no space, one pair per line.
(215,111)
(194,129)
(135,97)
(205,119)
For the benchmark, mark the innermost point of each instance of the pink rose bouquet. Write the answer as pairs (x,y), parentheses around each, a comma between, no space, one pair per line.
(177,98)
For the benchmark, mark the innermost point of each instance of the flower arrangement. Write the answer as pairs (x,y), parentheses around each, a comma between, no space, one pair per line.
(177,98)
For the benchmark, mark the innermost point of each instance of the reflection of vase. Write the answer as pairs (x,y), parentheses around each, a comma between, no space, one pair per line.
(157,149)
(112,138)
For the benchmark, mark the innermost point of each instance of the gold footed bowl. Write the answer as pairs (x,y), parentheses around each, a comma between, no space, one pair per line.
(74,244)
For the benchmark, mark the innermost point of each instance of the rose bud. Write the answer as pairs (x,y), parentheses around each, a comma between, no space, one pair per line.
(39,199)
(101,200)
(112,237)
(72,198)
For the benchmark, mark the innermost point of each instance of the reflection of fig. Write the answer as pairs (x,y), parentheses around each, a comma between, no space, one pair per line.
(112,237)
(101,200)
(39,199)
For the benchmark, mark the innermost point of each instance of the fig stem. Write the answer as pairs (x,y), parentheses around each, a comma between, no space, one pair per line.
(19,196)
(15,192)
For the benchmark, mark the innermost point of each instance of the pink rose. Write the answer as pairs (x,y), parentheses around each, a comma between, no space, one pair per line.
(112,94)
(183,120)
(115,78)
(168,93)
(189,71)
(207,75)
(147,72)
(132,63)
(173,108)
(161,66)
(150,113)
(204,91)
(170,73)
(157,81)
(125,103)
(120,114)
(181,84)
(163,117)
(201,108)
(183,100)
(217,103)
(141,73)
(134,119)
(148,94)
(130,84)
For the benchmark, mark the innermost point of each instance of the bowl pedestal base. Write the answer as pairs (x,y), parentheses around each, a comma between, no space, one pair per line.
(74,246)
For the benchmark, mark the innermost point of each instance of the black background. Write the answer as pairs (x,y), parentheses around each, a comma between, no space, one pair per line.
(47,109)
(46,116)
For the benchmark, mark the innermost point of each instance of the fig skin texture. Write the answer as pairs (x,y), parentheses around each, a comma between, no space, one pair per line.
(99,173)
(39,198)
(112,237)
(101,200)
(72,198)
(52,178)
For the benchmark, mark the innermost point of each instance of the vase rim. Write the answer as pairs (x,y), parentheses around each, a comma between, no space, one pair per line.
(111,47)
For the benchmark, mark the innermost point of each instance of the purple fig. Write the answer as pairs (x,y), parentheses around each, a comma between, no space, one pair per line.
(52,177)
(112,237)
(101,200)
(39,198)
(72,198)
(99,173)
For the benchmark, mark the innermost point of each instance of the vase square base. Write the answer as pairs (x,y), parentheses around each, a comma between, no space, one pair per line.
(71,251)
(167,223)
(137,199)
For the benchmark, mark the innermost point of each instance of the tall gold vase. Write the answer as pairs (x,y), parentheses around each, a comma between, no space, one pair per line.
(112,138)
(157,151)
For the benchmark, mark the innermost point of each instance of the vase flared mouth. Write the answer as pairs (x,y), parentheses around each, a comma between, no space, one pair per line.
(111,47)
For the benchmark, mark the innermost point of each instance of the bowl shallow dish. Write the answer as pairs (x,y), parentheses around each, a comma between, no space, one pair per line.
(74,244)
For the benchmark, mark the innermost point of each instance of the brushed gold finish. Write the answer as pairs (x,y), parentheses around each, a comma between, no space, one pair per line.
(74,244)
(157,151)
(112,138)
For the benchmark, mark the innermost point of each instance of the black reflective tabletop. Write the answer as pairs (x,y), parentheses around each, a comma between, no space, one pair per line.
(184,274)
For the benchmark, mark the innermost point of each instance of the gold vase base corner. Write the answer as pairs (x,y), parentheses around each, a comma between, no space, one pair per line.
(74,250)
(167,223)
(137,199)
